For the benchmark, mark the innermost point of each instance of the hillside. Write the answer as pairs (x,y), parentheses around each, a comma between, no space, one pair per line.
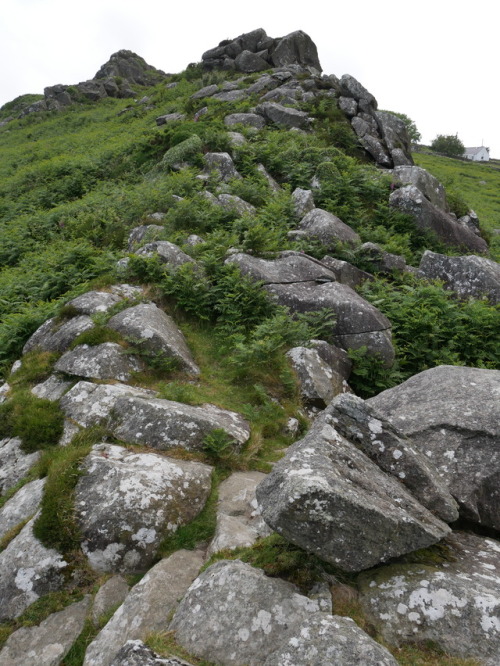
(239,327)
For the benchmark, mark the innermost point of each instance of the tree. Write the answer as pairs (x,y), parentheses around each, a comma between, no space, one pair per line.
(413,133)
(448,145)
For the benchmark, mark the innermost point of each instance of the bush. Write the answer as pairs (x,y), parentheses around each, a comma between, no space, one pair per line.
(448,145)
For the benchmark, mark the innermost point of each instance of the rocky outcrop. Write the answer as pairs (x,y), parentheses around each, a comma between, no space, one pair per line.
(147,608)
(128,65)
(57,337)
(468,277)
(327,228)
(255,51)
(452,414)
(169,254)
(49,642)
(284,116)
(329,498)
(127,502)
(454,604)
(318,382)
(430,186)
(105,361)
(21,506)
(14,463)
(270,618)
(428,217)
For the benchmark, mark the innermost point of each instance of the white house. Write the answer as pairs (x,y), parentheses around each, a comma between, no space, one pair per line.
(480,154)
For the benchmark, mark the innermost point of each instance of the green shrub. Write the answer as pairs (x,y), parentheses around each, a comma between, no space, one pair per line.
(183,151)
(36,421)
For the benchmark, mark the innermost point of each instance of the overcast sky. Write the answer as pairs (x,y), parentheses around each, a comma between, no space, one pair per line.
(435,60)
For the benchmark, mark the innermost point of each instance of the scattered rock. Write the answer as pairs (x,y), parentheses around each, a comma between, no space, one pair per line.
(317,381)
(170,118)
(21,506)
(430,186)
(169,254)
(247,119)
(330,499)
(327,228)
(456,604)
(345,272)
(452,414)
(105,361)
(303,202)
(283,116)
(94,301)
(48,643)
(144,232)
(14,463)
(156,332)
(148,606)
(382,261)
(28,571)
(222,165)
(469,276)
(234,204)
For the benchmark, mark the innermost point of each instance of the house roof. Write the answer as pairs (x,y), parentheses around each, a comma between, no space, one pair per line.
(474,151)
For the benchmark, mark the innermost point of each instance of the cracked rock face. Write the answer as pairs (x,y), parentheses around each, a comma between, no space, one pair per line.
(327,497)
(452,415)
(126,502)
(104,361)
(54,338)
(284,270)
(455,604)
(28,570)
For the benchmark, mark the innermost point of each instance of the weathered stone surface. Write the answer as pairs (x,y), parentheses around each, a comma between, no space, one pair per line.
(357,322)
(164,424)
(468,276)
(21,506)
(126,502)
(274,186)
(53,388)
(235,204)
(222,164)
(348,105)
(104,361)
(148,606)
(345,272)
(327,497)
(170,118)
(326,639)
(382,261)
(157,333)
(94,301)
(236,139)
(51,337)
(28,570)
(109,596)
(395,136)
(168,253)
(14,464)
(296,48)
(49,642)
(303,202)
(90,404)
(239,522)
(430,186)
(234,614)
(136,653)
(335,357)
(317,381)
(455,604)
(248,62)
(350,87)
(375,148)
(452,414)
(145,231)
(284,270)
(409,199)
(247,119)
(359,423)
(132,67)
(327,228)
(283,116)
(206,91)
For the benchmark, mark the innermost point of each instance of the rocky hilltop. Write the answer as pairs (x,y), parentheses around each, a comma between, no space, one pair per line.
(187,473)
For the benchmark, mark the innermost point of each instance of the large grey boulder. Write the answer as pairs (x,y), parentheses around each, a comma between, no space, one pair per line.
(93,302)
(21,506)
(88,404)
(318,382)
(47,643)
(327,228)
(169,254)
(357,324)
(246,119)
(127,502)
(351,87)
(28,571)
(345,272)
(168,118)
(236,205)
(355,420)
(284,270)
(296,48)
(132,67)
(222,165)
(147,608)
(382,261)
(330,499)
(428,184)
(469,276)
(165,424)
(455,604)
(53,388)
(234,615)
(55,337)
(409,199)
(206,91)
(303,202)
(249,62)
(284,116)
(14,463)
(452,414)
(326,639)
(105,361)
(148,232)
(239,522)
(395,136)
(156,332)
